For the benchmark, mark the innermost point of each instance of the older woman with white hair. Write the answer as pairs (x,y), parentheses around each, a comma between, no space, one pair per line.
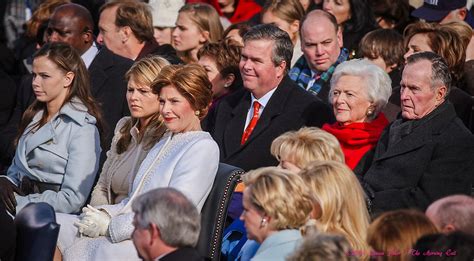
(359,92)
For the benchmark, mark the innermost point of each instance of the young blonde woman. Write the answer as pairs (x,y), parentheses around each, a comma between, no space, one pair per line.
(286,14)
(196,25)
(133,136)
(339,202)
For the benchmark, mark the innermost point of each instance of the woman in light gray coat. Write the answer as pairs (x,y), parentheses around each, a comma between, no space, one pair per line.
(58,149)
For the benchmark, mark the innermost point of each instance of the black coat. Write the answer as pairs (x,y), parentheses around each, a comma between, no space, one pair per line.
(109,87)
(433,160)
(289,108)
(181,254)
(7,97)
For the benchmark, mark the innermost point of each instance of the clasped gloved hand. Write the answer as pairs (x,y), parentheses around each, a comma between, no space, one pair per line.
(93,223)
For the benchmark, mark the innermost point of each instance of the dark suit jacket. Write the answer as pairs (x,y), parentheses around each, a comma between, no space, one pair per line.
(107,73)
(431,161)
(166,51)
(181,254)
(109,87)
(289,108)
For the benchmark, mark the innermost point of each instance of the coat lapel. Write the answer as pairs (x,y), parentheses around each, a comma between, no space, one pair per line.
(44,134)
(235,127)
(274,108)
(422,134)
(97,69)
(414,140)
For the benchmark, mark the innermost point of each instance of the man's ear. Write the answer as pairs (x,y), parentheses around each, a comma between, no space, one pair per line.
(441,94)
(87,36)
(448,229)
(281,69)
(125,32)
(340,40)
(154,234)
(462,13)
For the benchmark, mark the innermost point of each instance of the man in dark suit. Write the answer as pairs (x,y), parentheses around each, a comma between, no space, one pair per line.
(73,24)
(246,122)
(167,226)
(126,28)
(428,153)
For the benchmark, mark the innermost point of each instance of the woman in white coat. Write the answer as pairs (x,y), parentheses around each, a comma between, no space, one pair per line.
(58,148)
(186,158)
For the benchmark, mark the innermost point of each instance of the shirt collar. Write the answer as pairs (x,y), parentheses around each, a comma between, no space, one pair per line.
(89,55)
(264,99)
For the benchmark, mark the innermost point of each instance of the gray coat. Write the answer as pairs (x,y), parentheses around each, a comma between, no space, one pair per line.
(65,152)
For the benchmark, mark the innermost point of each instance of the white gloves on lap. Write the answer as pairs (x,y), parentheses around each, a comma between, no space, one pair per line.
(93,223)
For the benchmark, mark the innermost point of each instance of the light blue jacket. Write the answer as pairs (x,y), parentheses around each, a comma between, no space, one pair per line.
(64,151)
(278,245)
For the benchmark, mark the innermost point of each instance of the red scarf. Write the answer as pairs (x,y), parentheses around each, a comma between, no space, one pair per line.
(357,138)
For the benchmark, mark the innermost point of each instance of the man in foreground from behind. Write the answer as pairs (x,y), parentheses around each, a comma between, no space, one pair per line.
(167,226)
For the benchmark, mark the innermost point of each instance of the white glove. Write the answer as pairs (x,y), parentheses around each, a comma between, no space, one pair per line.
(93,222)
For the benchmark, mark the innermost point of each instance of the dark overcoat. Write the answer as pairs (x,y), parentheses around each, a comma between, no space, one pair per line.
(431,161)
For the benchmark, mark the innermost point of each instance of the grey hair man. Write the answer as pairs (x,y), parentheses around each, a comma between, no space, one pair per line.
(167,226)
(453,213)
(427,153)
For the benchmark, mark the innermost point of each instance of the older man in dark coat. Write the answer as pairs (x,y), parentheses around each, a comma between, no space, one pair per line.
(428,153)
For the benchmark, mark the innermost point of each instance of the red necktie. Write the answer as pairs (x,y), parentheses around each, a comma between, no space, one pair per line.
(252,123)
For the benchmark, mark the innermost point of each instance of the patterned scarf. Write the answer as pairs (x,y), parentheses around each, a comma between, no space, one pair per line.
(301,73)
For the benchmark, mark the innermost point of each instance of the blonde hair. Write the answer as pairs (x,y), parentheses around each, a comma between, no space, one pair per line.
(207,20)
(287,10)
(341,199)
(143,72)
(280,195)
(398,231)
(305,145)
(462,28)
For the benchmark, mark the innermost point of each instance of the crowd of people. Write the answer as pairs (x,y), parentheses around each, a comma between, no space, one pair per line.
(352,120)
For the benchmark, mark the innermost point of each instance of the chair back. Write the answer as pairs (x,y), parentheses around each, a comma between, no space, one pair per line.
(37,232)
(214,211)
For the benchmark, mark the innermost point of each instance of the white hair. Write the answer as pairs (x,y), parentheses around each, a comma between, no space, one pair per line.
(377,82)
